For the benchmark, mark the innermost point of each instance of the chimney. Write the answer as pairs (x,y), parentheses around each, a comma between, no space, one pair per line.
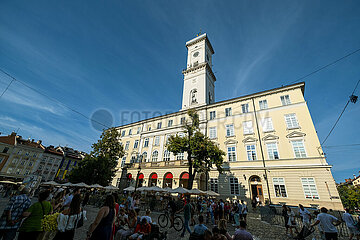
(13,134)
(32,140)
(39,142)
(354,176)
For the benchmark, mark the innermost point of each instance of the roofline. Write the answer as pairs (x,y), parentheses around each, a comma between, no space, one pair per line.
(198,39)
(257,94)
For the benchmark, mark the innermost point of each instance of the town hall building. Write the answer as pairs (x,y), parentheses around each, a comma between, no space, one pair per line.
(271,145)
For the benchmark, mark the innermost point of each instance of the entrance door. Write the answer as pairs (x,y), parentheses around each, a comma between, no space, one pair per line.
(260,193)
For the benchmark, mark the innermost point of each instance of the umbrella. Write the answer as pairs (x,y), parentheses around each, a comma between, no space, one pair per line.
(52,183)
(129,189)
(68,184)
(196,191)
(167,189)
(180,190)
(156,189)
(212,193)
(142,189)
(111,188)
(8,182)
(80,185)
(96,186)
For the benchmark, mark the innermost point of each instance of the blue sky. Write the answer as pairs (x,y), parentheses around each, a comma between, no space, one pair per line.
(128,55)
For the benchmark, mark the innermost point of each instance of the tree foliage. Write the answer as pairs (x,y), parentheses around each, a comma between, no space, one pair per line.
(99,166)
(350,196)
(202,153)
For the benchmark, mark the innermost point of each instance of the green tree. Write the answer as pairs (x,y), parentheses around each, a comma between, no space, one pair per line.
(350,196)
(99,166)
(202,153)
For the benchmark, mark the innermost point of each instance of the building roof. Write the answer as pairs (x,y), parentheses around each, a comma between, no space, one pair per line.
(52,150)
(10,139)
(257,94)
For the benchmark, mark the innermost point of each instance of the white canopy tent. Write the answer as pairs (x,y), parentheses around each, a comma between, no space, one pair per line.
(129,189)
(81,185)
(180,190)
(51,183)
(96,186)
(196,191)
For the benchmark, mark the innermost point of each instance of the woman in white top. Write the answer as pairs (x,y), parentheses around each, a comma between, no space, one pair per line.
(291,221)
(69,219)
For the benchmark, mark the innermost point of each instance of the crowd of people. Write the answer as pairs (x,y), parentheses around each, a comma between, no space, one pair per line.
(120,218)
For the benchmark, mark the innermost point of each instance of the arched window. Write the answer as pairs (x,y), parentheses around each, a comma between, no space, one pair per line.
(144,157)
(166,155)
(155,155)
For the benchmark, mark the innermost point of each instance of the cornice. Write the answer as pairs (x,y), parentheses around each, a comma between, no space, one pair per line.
(198,67)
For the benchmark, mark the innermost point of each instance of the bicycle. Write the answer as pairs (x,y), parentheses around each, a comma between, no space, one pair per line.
(164,219)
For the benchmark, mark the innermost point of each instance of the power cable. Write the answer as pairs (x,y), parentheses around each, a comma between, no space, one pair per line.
(351,99)
(51,98)
(325,66)
(345,145)
(7,87)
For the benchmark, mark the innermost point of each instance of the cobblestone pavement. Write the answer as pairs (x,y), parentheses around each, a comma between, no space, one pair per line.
(260,230)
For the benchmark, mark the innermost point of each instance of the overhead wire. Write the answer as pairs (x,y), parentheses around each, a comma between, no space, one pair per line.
(48,97)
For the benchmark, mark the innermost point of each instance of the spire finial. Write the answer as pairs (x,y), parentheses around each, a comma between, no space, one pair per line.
(199,33)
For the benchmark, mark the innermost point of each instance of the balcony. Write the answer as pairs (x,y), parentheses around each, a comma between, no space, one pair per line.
(173,163)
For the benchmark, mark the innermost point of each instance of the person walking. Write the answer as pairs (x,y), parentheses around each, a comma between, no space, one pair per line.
(11,218)
(291,221)
(286,217)
(244,210)
(69,219)
(31,227)
(187,217)
(328,223)
(101,228)
(305,215)
(350,223)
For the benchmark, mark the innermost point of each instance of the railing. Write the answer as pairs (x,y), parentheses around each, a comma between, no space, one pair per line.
(272,215)
(173,163)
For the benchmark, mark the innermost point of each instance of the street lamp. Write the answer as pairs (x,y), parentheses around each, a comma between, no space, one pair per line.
(139,160)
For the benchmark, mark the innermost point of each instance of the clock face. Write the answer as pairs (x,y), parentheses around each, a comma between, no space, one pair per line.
(196,54)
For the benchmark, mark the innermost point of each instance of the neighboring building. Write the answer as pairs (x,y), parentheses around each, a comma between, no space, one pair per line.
(20,157)
(23,158)
(70,160)
(269,138)
(352,181)
(49,163)
(7,145)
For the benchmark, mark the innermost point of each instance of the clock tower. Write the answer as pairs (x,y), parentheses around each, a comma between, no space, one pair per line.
(199,78)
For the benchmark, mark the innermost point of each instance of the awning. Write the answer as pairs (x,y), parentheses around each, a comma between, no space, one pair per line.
(169,176)
(141,176)
(154,176)
(185,176)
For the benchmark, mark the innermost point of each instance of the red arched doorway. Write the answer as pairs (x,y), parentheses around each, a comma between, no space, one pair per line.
(168,180)
(153,179)
(184,180)
(140,180)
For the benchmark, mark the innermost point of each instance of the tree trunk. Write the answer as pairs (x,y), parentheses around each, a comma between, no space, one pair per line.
(191,175)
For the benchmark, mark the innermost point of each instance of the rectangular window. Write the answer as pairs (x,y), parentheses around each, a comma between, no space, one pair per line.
(234,186)
(212,133)
(272,151)
(212,115)
(6,149)
(180,156)
(299,149)
(159,125)
(166,156)
(157,141)
(248,127)
(167,139)
(170,123)
(146,142)
(291,121)
(245,108)
(285,100)
(138,130)
(182,120)
(263,104)
(130,131)
(214,185)
(279,186)
(231,153)
(127,144)
(309,187)
(251,152)
(136,143)
(267,124)
(228,112)
(229,130)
